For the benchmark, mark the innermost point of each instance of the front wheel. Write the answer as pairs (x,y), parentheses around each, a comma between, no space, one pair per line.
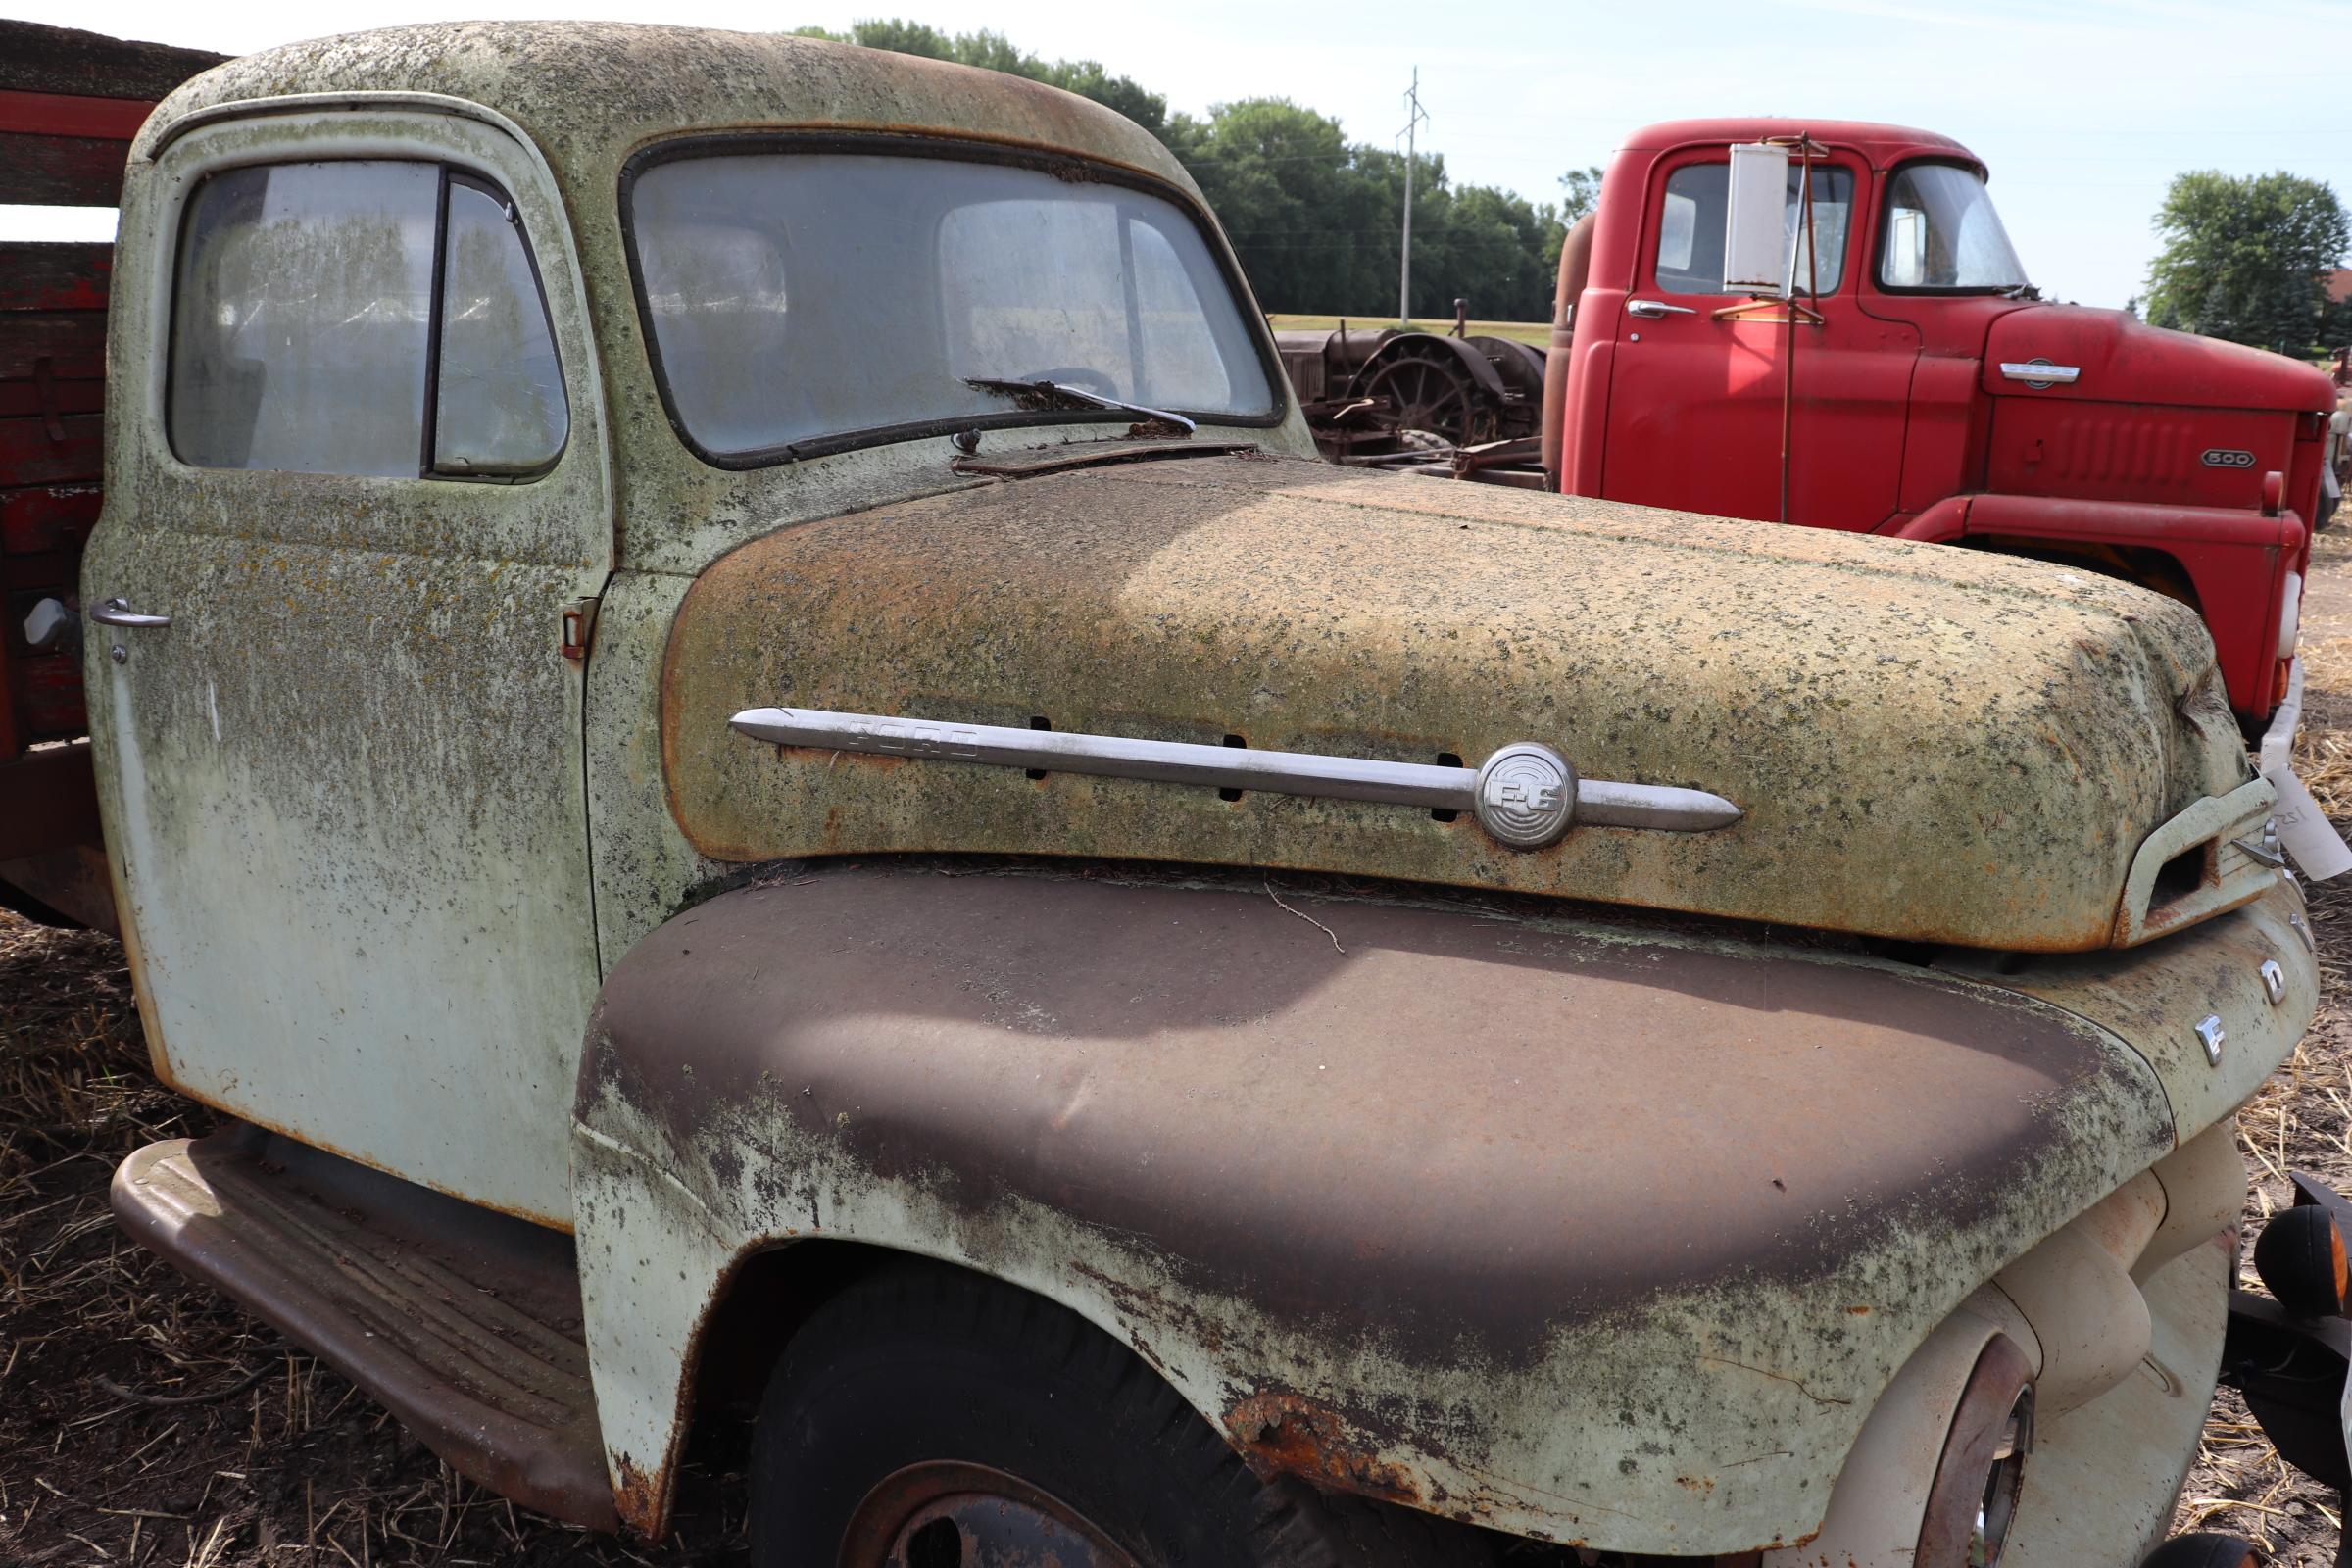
(930,1418)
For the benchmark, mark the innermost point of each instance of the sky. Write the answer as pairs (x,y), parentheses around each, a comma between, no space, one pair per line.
(2084,110)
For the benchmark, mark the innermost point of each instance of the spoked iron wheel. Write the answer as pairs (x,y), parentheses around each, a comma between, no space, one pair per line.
(1424,392)
(944,1514)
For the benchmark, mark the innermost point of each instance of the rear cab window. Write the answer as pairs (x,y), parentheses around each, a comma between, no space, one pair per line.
(364,317)
(1686,232)
(810,297)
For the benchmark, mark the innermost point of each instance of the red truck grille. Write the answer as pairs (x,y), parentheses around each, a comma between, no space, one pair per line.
(2154,451)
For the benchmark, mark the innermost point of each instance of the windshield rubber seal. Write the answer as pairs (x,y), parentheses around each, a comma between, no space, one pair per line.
(954,149)
(1878,258)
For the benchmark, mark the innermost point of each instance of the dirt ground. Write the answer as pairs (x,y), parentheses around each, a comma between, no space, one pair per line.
(145,1422)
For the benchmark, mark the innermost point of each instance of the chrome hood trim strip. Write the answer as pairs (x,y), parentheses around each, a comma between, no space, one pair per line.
(1525,795)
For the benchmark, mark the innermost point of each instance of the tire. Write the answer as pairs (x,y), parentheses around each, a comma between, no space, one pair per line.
(944,1379)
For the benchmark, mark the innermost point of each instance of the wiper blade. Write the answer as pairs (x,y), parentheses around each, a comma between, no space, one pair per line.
(1067,395)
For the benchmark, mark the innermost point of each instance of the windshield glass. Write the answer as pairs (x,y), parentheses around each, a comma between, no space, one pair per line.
(1941,232)
(815,297)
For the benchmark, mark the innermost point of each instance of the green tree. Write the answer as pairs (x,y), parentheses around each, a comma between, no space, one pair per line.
(2247,258)
(1579,192)
(1314,219)
(993,51)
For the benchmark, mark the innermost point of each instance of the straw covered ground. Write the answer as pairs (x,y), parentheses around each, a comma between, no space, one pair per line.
(144,1422)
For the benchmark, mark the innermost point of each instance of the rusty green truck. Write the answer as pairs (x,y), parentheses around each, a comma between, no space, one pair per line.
(737,732)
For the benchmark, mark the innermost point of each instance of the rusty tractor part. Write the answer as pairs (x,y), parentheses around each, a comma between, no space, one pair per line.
(464,1322)
(1398,399)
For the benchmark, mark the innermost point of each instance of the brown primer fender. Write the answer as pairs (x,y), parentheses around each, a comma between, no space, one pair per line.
(1545,1224)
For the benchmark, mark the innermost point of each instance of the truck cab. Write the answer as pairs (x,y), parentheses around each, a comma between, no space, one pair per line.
(1926,391)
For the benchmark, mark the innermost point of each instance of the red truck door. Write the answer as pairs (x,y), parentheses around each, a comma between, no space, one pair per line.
(1696,398)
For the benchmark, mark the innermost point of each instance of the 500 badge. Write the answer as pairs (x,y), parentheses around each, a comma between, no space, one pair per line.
(2227,457)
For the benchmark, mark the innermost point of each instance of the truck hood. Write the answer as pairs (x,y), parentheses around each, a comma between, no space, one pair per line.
(2119,359)
(1928,743)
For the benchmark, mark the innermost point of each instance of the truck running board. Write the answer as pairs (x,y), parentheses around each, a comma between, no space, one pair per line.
(465,1322)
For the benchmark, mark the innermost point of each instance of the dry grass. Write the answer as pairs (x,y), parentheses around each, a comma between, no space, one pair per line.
(146,1422)
(2299,1120)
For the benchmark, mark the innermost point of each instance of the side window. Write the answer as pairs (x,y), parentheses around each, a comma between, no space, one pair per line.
(308,336)
(1690,219)
(498,406)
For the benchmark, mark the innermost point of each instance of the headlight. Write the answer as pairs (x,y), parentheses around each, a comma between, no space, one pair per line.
(1964,1400)
(1973,1498)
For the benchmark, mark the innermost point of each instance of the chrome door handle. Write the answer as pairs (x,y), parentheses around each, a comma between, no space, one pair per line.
(118,613)
(1654,309)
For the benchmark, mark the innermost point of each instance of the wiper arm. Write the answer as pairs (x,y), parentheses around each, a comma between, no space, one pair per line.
(1067,395)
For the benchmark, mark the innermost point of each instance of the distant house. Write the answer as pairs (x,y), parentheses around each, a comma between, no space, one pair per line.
(2339,285)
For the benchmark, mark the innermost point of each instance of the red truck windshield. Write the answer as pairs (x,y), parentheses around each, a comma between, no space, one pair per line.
(1942,234)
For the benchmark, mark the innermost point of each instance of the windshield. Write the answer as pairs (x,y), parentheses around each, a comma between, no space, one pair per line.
(1941,232)
(801,300)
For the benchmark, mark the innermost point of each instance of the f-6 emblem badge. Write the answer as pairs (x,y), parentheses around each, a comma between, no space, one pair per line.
(1526,795)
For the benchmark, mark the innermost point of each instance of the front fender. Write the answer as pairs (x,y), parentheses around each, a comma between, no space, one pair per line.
(1588,1231)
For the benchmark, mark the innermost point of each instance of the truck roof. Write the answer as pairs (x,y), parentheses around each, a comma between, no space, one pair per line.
(1881,144)
(591,93)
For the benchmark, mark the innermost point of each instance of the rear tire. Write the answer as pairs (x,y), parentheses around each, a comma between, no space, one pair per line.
(1004,1424)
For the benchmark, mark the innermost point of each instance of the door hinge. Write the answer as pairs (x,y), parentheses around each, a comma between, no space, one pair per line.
(579,631)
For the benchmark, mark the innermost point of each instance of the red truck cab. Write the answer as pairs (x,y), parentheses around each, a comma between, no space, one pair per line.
(1930,393)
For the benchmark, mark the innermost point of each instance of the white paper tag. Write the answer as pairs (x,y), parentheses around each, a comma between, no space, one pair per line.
(2318,851)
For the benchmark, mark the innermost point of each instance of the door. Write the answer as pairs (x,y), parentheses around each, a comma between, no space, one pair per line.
(1696,399)
(356,473)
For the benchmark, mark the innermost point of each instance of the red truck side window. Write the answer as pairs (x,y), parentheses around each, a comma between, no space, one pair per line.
(306,334)
(1690,228)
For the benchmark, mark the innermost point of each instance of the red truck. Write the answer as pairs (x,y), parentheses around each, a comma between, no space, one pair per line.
(70,103)
(1923,389)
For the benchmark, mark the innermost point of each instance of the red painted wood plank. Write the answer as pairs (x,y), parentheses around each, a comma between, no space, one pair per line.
(30,454)
(61,114)
(61,171)
(25,399)
(46,690)
(72,341)
(48,517)
(36,277)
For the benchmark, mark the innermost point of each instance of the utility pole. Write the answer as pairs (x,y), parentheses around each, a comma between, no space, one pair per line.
(1413,121)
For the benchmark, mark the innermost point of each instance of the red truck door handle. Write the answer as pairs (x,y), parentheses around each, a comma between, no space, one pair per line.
(1654,309)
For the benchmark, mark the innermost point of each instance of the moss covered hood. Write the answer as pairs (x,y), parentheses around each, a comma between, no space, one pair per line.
(1928,744)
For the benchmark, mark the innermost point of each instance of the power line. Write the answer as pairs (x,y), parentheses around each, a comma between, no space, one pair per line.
(1414,119)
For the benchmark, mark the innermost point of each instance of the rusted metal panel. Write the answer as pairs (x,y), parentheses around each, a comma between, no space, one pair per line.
(1372,1211)
(2156,999)
(1927,745)
(344,791)
(467,1324)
